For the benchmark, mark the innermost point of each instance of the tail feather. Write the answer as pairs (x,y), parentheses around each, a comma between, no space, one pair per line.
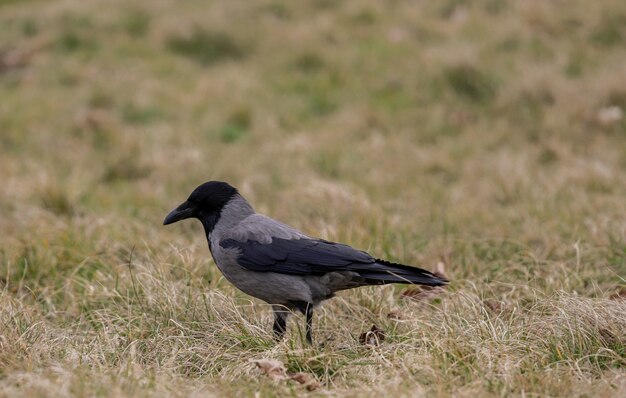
(384,272)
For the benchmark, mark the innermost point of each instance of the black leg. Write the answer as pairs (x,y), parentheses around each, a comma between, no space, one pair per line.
(303,307)
(309,323)
(280,321)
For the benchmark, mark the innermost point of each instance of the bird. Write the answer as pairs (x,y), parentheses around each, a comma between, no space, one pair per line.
(279,264)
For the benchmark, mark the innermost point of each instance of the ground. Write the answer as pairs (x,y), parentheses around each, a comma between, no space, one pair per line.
(483,138)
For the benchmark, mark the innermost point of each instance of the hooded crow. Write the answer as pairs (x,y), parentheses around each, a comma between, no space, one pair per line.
(279,264)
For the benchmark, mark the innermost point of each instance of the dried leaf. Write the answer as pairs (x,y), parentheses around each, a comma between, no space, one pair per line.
(424,292)
(494,305)
(274,369)
(620,294)
(306,380)
(395,314)
(412,293)
(421,293)
(373,337)
(607,335)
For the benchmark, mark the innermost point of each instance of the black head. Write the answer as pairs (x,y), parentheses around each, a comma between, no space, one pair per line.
(204,203)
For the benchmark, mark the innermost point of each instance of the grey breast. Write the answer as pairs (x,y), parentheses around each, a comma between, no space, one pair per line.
(238,221)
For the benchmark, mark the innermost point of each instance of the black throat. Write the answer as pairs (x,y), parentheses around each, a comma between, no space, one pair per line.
(209,221)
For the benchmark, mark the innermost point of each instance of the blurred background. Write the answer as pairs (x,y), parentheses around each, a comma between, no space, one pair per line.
(414,127)
(483,138)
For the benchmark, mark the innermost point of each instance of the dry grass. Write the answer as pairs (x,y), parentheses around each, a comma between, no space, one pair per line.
(485,135)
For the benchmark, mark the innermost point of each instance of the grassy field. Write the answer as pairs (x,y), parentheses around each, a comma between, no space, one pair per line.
(486,137)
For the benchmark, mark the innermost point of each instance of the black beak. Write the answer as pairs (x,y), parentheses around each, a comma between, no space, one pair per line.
(182,212)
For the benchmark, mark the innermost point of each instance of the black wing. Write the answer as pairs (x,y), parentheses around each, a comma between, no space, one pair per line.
(317,257)
(298,256)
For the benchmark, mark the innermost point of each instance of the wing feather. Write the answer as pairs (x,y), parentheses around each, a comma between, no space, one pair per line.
(297,256)
(308,256)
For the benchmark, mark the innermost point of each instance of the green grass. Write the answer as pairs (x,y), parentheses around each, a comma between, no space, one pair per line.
(206,47)
(469,134)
